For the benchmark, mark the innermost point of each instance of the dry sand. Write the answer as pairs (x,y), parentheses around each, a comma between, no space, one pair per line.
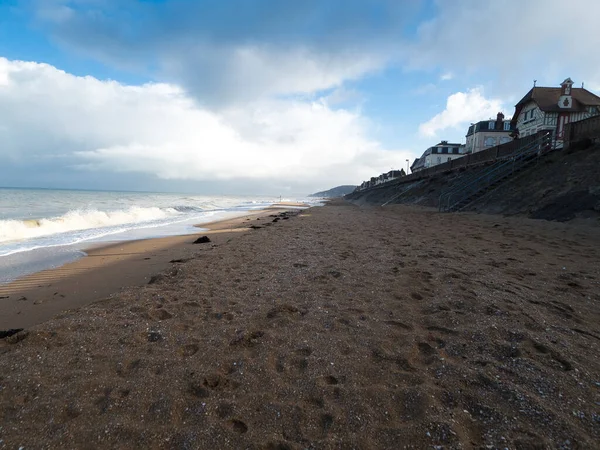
(342,327)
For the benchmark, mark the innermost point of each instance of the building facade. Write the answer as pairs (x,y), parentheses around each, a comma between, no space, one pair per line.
(383,178)
(549,108)
(438,154)
(489,133)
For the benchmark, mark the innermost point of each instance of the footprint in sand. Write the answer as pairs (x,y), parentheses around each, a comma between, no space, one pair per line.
(160,314)
(216,381)
(427,352)
(238,426)
(398,324)
(188,350)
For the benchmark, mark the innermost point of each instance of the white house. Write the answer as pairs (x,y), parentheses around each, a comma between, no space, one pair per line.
(551,108)
(438,154)
(383,178)
(489,133)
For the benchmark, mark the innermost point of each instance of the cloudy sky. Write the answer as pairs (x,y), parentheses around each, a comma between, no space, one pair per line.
(265,96)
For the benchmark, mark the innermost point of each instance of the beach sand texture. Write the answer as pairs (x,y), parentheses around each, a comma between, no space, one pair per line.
(342,327)
(107,268)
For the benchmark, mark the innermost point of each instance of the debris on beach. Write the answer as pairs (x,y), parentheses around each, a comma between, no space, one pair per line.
(8,333)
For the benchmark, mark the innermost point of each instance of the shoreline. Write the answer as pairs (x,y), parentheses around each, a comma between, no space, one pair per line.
(108,267)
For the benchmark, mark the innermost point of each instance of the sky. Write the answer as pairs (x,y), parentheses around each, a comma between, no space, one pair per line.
(269,97)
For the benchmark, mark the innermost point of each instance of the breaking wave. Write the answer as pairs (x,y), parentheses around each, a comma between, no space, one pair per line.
(77,220)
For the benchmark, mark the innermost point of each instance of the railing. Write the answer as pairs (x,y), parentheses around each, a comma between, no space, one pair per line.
(584,129)
(466,188)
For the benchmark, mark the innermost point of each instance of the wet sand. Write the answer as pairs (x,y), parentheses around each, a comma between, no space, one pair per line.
(340,327)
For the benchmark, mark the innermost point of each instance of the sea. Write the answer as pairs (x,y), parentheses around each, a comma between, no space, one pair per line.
(44,228)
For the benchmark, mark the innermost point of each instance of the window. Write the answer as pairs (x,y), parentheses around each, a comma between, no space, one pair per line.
(505,139)
(434,150)
(439,159)
(449,159)
(444,150)
(489,142)
(491,125)
(506,126)
(529,115)
(455,151)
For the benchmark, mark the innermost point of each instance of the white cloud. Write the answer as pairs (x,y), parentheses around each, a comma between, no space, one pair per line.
(446,76)
(157,129)
(461,109)
(512,41)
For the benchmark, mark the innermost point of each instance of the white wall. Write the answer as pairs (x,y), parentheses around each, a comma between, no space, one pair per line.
(432,160)
(530,126)
(479,139)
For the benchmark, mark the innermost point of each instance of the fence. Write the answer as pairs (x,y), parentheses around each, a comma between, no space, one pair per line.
(584,129)
(485,156)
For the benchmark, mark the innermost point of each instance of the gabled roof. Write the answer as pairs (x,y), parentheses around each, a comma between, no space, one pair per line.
(547,100)
(420,162)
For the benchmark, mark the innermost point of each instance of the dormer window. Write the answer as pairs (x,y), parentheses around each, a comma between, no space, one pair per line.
(506,126)
(491,125)
(566,86)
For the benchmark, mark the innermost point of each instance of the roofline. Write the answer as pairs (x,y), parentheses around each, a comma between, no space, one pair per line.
(446,144)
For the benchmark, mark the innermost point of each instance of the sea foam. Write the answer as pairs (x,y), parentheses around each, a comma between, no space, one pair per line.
(76,220)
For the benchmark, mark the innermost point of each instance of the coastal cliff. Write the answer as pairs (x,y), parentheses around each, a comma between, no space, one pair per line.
(337,191)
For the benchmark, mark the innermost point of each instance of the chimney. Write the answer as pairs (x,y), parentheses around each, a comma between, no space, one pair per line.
(499,121)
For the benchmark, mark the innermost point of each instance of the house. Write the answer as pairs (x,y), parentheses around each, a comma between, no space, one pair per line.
(438,154)
(551,108)
(489,133)
(393,174)
(383,178)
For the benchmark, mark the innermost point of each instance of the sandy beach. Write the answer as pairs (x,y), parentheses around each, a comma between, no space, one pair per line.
(332,327)
(107,268)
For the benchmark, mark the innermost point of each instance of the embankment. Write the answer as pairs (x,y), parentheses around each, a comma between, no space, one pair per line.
(561,185)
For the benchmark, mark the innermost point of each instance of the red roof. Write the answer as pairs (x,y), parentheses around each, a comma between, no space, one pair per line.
(547,100)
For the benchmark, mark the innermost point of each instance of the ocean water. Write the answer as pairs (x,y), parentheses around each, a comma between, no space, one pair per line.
(43,228)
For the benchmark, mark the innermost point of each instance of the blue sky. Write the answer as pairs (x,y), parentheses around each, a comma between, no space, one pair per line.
(265,96)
